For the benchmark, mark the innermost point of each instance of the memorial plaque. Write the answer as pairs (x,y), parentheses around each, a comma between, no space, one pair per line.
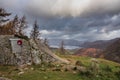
(16,45)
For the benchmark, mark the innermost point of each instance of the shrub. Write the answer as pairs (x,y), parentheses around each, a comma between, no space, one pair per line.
(22,37)
(79,63)
(108,69)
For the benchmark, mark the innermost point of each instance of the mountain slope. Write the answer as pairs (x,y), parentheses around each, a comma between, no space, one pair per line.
(112,52)
(100,44)
(91,52)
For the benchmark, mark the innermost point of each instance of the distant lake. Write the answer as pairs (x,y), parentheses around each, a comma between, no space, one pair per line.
(66,47)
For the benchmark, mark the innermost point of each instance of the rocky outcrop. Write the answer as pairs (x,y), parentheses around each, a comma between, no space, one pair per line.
(33,51)
(5,50)
(7,57)
(38,55)
(50,54)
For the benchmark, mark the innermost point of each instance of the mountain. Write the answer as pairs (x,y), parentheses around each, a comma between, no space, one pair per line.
(100,44)
(75,44)
(112,52)
(68,43)
(91,52)
(108,49)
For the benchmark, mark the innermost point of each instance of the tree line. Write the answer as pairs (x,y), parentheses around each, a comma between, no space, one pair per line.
(16,26)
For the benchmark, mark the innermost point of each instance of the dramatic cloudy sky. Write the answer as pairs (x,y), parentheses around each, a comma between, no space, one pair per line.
(71,19)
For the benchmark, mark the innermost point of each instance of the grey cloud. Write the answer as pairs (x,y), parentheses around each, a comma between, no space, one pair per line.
(90,28)
(74,19)
(73,7)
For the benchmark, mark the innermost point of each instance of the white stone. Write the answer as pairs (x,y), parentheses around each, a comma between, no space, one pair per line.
(20,73)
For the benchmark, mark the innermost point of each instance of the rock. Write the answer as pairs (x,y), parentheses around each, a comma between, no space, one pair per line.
(9,58)
(94,60)
(2,78)
(20,73)
(32,68)
(81,69)
(32,51)
(68,67)
(79,63)
(29,64)
(46,77)
(74,72)
(26,68)
(95,66)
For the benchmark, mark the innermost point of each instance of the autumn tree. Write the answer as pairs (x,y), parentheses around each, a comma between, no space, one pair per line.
(11,27)
(3,15)
(35,31)
(7,28)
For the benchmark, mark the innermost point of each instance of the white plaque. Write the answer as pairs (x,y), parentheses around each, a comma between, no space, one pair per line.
(16,48)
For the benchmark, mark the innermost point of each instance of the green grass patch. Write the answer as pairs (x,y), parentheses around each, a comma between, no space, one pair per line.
(49,75)
(108,70)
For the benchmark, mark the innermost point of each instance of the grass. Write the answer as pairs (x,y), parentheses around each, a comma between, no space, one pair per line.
(49,75)
(108,71)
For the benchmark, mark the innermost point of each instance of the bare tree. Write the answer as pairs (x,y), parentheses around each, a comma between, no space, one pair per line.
(22,26)
(62,50)
(15,24)
(35,31)
(46,42)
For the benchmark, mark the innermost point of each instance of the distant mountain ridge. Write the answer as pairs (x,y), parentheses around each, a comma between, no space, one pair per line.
(91,52)
(109,49)
(67,42)
(112,52)
(100,44)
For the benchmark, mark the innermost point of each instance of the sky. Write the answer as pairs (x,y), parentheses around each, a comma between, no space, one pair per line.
(83,20)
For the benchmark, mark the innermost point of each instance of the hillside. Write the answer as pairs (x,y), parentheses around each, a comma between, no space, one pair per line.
(91,52)
(99,44)
(107,70)
(78,68)
(112,52)
(109,49)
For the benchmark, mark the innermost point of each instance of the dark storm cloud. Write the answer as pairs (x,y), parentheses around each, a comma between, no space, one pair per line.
(71,19)
(87,28)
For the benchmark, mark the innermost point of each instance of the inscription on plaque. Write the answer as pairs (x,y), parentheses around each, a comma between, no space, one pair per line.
(16,45)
